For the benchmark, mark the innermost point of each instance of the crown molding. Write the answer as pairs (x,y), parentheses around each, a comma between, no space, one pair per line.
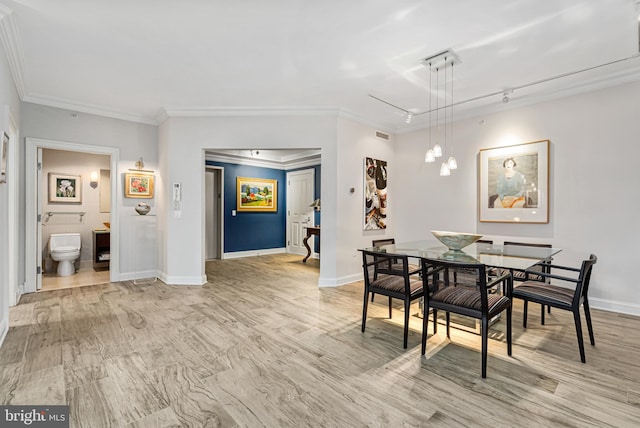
(285,165)
(251,111)
(88,108)
(13,49)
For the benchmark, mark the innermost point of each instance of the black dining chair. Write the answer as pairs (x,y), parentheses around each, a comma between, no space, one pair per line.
(394,264)
(531,274)
(390,275)
(562,297)
(471,298)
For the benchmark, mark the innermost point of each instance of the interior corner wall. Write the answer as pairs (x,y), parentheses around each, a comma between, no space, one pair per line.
(134,140)
(593,185)
(9,104)
(355,142)
(187,138)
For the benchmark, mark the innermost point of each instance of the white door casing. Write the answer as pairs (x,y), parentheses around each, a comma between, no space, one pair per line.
(300,194)
(31,183)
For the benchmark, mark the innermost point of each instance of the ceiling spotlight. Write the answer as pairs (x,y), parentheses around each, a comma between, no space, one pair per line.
(505,99)
(409,117)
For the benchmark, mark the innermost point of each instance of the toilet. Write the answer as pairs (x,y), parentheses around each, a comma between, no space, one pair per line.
(65,249)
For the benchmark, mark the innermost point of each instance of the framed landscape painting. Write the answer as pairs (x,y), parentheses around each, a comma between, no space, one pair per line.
(138,185)
(65,188)
(513,183)
(257,194)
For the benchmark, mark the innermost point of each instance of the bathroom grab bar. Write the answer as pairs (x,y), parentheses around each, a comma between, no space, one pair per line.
(50,214)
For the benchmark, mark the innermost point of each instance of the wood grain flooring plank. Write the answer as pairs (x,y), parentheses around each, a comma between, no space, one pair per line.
(165,418)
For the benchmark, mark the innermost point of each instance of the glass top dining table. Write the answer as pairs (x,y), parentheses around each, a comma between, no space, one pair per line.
(503,256)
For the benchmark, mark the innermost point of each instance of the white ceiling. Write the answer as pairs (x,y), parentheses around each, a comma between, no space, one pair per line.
(143,59)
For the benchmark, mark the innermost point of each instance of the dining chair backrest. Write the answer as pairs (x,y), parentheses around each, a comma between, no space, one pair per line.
(375,263)
(584,278)
(448,275)
(540,267)
(381,242)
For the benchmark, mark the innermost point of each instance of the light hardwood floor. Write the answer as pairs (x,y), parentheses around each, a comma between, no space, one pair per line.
(262,345)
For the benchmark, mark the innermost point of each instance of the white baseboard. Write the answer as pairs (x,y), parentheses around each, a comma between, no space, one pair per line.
(253,253)
(182,280)
(130,276)
(336,282)
(612,306)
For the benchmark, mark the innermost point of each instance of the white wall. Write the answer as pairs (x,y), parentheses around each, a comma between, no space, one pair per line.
(73,163)
(9,106)
(134,140)
(593,185)
(182,144)
(355,142)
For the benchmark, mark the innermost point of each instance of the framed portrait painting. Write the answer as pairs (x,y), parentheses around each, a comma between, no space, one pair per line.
(65,188)
(256,194)
(138,185)
(513,183)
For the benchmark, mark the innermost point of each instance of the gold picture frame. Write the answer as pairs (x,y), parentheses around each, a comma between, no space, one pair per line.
(138,185)
(256,194)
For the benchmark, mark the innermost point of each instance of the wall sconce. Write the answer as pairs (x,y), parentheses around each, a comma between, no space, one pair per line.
(93,180)
(315,205)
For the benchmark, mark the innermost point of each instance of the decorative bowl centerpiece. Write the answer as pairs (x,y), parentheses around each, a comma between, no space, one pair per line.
(454,240)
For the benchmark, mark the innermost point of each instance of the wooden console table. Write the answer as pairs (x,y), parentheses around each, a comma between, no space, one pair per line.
(311,230)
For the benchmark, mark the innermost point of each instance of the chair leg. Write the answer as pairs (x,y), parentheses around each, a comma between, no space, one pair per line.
(524,314)
(548,309)
(485,336)
(389,307)
(425,323)
(576,318)
(407,308)
(364,308)
(542,314)
(448,318)
(372,296)
(435,321)
(587,315)
(509,314)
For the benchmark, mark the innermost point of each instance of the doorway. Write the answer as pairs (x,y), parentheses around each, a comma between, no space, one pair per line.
(300,194)
(35,215)
(214,211)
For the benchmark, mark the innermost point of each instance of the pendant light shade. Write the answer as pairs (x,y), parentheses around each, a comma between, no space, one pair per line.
(437,150)
(452,163)
(444,169)
(429,157)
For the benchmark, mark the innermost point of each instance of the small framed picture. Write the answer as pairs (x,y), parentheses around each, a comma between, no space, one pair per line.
(65,188)
(138,185)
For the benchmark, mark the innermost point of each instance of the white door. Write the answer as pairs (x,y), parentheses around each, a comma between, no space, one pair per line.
(39,221)
(300,186)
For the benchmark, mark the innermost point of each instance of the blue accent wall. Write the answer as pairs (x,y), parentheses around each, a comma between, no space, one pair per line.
(249,230)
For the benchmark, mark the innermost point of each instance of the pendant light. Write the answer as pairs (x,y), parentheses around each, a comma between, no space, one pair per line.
(437,149)
(444,169)
(430,156)
(452,163)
